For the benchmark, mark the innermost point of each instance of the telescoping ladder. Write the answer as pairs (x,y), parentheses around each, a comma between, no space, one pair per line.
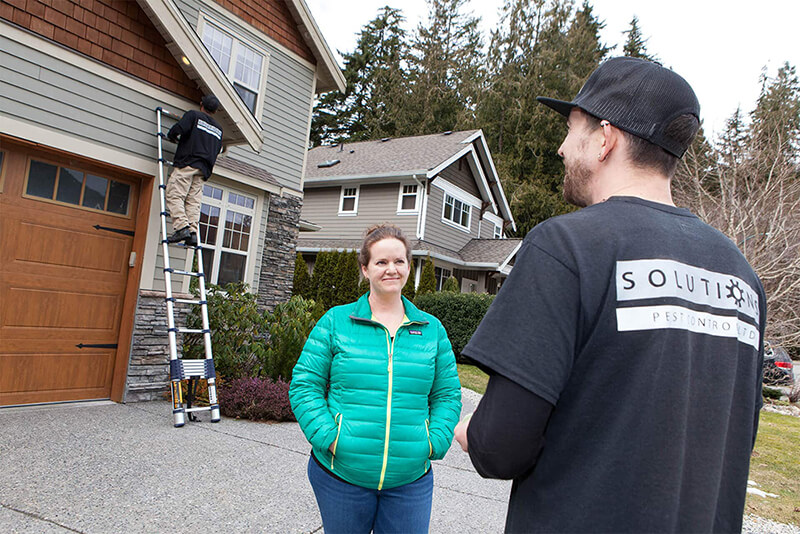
(180,369)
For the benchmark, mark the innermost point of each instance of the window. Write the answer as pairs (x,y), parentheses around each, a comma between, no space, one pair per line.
(78,188)
(226,226)
(441,276)
(348,205)
(498,231)
(242,63)
(456,211)
(408,199)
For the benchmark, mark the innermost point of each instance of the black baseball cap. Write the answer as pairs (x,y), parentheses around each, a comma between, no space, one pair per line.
(635,95)
(210,102)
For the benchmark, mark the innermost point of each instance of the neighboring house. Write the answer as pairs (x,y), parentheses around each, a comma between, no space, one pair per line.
(82,313)
(441,189)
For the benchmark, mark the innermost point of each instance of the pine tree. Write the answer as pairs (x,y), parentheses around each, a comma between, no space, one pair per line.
(375,90)
(427,280)
(348,277)
(636,45)
(451,285)
(409,291)
(363,286)
(302,280)
(776,118)
(324,279)
(445,70)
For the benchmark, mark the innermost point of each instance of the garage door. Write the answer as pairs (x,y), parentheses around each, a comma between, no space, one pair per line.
(66,233)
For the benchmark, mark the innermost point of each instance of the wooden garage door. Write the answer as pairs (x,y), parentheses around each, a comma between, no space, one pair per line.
(65,239)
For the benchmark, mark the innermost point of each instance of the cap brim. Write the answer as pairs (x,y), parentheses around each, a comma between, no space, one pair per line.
(559,105)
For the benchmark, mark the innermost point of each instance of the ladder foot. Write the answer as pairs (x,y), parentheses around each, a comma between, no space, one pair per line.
(215,414)
(179,417)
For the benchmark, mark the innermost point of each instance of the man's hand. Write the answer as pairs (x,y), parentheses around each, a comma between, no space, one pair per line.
(461,432)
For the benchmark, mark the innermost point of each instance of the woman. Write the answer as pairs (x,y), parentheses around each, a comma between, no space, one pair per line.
(377,395)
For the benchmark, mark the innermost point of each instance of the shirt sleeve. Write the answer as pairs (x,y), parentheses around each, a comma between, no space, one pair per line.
(529,332)
(506,431)
(181,127)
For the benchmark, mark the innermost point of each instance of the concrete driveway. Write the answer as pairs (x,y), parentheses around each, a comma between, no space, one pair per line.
(106,467)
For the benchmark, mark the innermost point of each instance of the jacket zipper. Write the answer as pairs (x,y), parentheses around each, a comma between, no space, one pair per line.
(430,445)
(339,416)
(390,347)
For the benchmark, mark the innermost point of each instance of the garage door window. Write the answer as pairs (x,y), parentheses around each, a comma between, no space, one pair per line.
(77,188)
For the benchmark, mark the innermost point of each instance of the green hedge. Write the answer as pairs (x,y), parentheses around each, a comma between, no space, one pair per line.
(460,313)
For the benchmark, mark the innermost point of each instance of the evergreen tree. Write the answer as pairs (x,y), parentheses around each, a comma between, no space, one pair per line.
(451,285)
(348,277)
(375,86)
(324,279)
(776,118)
(363,286)
(409,291)
(427,280)
(302,280)
(445,70)
(636,45)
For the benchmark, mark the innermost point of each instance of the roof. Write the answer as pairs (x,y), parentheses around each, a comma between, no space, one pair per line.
(246,169)
(402,156)
(477,253)
(238,123)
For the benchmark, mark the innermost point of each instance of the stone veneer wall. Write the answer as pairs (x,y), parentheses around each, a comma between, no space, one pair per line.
(148,368)
(280,246)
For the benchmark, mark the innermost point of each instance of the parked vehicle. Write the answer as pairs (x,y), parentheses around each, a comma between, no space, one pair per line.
(777,366)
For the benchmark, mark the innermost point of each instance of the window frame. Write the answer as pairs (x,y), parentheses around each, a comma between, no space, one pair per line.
(451,222)
(402,194)
(225,205)
(440,280)
(354,211)
(238,40)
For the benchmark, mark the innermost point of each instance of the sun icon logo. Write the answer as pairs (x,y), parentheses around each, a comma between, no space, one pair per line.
(735,293)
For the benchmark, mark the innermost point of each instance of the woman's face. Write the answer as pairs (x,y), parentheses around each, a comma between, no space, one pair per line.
(387,270)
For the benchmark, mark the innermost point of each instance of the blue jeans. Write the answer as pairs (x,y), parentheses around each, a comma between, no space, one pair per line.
(349,509)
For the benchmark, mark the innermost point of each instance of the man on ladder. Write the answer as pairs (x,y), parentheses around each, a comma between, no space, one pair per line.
(199,139)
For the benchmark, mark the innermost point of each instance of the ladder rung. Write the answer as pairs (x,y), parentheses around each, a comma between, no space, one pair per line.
(198,409)
(192,331)
(184,369)
(190,301)
(184,273)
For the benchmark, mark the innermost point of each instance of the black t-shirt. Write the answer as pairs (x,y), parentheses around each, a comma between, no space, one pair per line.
(200,141)
(642,326)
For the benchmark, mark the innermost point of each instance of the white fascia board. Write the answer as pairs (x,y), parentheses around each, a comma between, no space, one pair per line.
(365,178)
(171,22)
(325,54)
(472,159)
(509,257)
(494,219)
(449,161)
(506,270)
(456,192)
(472,137)
(505,208)
(483,184)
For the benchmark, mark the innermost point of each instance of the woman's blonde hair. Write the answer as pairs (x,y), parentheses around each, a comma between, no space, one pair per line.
(377,233)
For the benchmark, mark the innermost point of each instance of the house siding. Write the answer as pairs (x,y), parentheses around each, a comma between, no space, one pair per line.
(461,177)
(287,101)
(440,233)
(116,33)
(376,204)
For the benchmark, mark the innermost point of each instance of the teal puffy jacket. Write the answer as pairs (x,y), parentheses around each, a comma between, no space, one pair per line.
(392,405)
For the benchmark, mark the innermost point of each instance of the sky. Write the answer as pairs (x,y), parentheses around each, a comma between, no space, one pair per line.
(719,46)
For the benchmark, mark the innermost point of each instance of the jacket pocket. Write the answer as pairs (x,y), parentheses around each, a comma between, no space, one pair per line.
(430,444)
(338,420)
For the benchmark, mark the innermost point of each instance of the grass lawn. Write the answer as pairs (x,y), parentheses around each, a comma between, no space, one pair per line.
(775,466)
(472,378)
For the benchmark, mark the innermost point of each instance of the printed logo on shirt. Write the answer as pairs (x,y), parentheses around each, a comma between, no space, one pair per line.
(209,128)
(658,279)
(415,332)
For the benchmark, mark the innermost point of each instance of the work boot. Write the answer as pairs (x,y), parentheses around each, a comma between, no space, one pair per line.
(191,241)
(181,235)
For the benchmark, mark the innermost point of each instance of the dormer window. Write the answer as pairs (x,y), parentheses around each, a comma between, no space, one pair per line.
(456,211)
(348,204)
(407,202)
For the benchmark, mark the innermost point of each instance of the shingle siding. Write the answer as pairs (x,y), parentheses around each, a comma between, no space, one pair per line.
(459,174)
(440,233)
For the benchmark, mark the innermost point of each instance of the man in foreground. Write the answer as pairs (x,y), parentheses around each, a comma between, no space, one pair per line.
(625,349)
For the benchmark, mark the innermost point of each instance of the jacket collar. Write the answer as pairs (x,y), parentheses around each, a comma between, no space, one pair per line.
(363,312)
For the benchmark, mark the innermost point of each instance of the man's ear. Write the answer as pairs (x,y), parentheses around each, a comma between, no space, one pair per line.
(611,136)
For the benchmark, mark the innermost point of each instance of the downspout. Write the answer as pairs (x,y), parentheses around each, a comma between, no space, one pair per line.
(422,210)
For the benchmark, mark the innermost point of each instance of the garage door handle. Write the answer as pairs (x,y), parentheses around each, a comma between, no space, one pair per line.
(115,230)
(97,346)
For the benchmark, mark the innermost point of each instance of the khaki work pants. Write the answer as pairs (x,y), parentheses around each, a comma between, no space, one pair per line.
(184,195)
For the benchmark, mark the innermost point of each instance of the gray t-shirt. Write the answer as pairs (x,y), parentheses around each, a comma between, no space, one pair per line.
(643,326)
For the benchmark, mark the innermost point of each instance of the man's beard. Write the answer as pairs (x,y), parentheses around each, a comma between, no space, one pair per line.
(576,183)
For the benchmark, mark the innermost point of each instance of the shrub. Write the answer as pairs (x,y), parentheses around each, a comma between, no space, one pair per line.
(289,326)
(258,399)
(302,280)
(427,280)
(363,286)
(236,330)
(451,285)
(409,291)
(771,393)
(460,313)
